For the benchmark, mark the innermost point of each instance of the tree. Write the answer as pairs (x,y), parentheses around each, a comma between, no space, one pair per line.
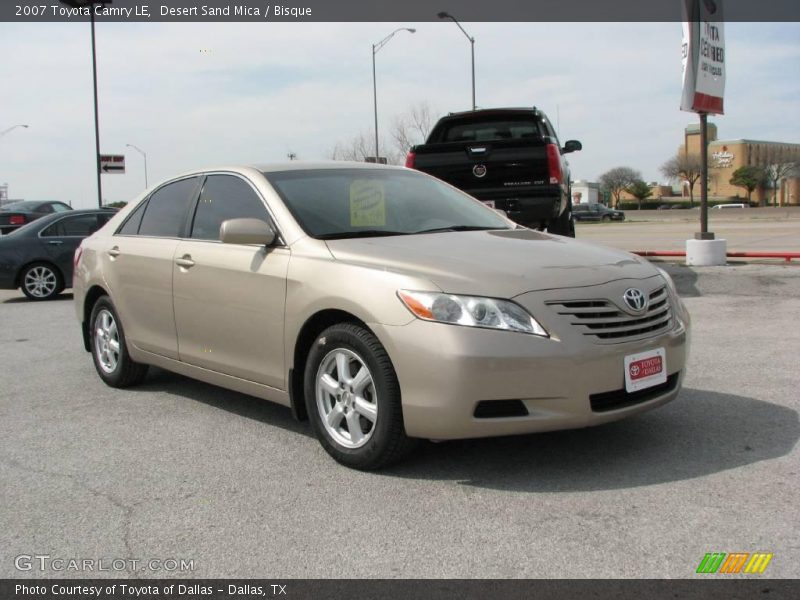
(357,149)
(776,161)
(117,204)
(409,129)
(775,172)
(639,190)
(684,167)
(747,177)
(617,180)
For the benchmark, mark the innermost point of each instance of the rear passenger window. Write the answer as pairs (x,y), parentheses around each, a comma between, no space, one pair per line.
(166,210)
(79,226)
(225,197)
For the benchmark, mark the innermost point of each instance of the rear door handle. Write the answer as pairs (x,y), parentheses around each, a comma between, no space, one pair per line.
(55,242)
(185,261)
(114,252)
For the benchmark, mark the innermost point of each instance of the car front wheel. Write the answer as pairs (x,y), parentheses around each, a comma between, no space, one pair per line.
(41,281)
(353,398)
(109,350)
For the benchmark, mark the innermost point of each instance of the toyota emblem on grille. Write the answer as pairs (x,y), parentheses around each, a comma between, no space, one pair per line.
(635,299)
(479,170)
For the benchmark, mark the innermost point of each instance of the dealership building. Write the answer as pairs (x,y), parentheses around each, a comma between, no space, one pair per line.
(725,156)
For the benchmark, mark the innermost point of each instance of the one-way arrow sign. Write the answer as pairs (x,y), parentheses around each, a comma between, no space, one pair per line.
(112,164)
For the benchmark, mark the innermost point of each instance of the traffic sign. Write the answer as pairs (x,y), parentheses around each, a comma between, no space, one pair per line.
(112,164)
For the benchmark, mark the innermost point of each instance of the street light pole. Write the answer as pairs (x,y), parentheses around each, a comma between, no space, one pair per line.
(144,155)
(446,15)
(96,118)
(375,49)
(90,5)
(12,128)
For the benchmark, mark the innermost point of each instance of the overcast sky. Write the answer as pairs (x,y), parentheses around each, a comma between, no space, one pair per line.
(259,91)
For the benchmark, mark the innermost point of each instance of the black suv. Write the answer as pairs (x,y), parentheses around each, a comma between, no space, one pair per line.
(510,158)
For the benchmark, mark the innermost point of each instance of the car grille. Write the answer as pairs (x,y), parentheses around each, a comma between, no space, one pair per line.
(604,321)
(623,399)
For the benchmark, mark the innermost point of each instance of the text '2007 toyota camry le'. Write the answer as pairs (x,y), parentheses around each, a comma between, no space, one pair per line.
(378,302)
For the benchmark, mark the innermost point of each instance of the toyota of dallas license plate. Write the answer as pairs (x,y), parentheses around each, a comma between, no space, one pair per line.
(645,369)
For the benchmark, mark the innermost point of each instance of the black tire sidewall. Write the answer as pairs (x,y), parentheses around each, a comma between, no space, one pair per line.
(386,387)
(59,281)
(114,379)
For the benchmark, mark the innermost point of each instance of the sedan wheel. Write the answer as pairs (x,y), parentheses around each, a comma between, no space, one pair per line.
(109,351)
(353,398)
(106,341)
(346,398)
(41,282)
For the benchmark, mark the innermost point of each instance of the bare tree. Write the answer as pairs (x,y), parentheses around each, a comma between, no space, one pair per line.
(356,149)
(684,167)
(617,180)
(777,162)
(411,128)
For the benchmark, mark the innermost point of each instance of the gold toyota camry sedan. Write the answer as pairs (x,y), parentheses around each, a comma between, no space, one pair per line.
(380,303)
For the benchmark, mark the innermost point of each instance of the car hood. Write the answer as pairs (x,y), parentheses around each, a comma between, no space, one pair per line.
(503,263)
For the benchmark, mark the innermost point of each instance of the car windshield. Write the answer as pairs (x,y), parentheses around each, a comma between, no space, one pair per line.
(342,203)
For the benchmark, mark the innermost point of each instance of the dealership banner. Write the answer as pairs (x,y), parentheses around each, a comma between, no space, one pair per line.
(703,53)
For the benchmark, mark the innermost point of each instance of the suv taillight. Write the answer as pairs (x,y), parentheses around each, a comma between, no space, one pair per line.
(554,164)
(16,220)
(410,158)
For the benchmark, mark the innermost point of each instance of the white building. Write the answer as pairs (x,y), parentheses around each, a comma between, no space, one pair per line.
(585,192)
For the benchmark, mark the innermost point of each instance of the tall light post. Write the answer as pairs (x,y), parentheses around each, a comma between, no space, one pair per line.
(12,128)
(375,48)
(446,15)
(90,5)
(144,156)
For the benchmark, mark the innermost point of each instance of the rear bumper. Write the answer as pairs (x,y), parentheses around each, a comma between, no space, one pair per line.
(525,210)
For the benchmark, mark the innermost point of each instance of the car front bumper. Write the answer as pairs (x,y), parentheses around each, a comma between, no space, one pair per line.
(445,371)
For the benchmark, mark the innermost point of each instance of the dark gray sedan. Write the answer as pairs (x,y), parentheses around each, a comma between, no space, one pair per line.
(15,215)
(38,257)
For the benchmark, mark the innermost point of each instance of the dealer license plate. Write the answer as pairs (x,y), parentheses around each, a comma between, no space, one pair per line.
(645,369)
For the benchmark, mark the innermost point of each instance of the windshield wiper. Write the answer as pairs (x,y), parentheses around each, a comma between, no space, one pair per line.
(459,228)
(361,233)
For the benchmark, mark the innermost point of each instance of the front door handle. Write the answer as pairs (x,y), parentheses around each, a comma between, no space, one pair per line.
(55,242)
(114,252)
(185,261)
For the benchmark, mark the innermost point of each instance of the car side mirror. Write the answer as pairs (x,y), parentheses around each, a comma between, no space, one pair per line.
(571,146)
(246,231)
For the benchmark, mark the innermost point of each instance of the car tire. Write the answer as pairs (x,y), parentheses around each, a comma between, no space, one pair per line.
(109,348)
(356,413)
(41,281)
(606,218)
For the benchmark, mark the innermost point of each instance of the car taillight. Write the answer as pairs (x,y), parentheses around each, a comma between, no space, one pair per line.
(410,158)
(77,258)
(16,220)
(554,164)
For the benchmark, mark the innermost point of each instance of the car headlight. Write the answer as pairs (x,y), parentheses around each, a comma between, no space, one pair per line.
(471,311)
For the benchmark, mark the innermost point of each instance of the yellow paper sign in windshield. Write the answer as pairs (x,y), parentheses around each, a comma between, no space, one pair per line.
(367,203)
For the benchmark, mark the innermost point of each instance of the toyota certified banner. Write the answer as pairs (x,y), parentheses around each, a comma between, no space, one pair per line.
(703,53)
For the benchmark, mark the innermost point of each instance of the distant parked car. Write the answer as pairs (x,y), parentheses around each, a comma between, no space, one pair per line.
(596,212)
(665,207)
(15,215)
(38,257)
(733,205)
(679,206)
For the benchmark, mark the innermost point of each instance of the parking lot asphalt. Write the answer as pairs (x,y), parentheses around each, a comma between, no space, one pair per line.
(183,470)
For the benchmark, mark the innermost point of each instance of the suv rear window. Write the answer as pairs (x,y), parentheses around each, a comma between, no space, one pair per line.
(489,128)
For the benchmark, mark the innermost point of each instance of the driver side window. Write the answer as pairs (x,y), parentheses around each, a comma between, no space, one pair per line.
(225,197)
